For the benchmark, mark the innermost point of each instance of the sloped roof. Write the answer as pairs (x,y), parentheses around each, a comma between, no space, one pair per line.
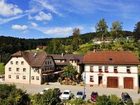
(34,59)
(111,57)
(67,57)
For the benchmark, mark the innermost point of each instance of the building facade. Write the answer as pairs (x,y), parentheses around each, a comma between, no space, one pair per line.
(28,67)
(111,69)
(62,60)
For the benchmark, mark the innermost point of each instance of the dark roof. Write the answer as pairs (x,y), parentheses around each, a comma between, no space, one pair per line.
(34,59)
(67,57)
(111,57)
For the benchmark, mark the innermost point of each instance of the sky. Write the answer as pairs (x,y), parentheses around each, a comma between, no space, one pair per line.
(57,18)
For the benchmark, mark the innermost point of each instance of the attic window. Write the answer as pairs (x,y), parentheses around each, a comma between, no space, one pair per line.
(110,59)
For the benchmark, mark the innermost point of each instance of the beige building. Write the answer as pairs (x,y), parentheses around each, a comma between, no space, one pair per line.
(29,67)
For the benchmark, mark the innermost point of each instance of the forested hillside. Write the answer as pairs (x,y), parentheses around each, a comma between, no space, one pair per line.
(77,42)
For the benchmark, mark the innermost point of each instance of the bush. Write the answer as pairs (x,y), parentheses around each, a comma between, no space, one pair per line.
(103,100)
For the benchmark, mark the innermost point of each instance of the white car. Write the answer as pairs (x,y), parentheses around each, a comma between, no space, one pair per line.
(80,94)
(42,92)
(66,95)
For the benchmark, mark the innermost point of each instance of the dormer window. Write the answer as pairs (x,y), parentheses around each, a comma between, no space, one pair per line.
(110,59)
(115,69)
(128,69)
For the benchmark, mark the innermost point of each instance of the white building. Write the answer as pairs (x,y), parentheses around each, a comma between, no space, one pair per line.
(112,69)
(28,67)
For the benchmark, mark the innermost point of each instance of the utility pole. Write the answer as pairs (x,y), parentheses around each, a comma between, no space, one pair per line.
(84,83)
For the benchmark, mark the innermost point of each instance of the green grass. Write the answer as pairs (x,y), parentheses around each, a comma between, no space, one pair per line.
(1,68)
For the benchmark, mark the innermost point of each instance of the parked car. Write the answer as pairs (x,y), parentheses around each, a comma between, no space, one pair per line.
(66,95)
(80,94)
(45,89)
(125,97)
(94,96)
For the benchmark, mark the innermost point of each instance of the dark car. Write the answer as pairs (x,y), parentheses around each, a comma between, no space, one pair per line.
(125,97)
(94,96)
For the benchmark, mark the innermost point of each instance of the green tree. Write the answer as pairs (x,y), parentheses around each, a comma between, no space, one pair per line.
(55,47)
(102,29)
(69,72)
(1,68)
(50,97)
(76,40)
(116,29)
(9,95)
(137,31)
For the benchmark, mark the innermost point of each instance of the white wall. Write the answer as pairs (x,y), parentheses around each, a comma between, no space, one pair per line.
(13,71)
(121,74)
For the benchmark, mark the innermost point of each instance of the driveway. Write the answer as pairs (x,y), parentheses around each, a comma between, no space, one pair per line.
(32,89)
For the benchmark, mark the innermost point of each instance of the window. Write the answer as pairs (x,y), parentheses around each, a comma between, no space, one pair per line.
(115,69)
(16,62)
(91,69)
(91,79)
(24,77)
(11,62)
(128,69)
(100,69)
(106,69)
(24,69)
(50,62)
(37,77)
(9,76)
(33,78)
(22,62)
(9,68)
(17,69)
(17,76)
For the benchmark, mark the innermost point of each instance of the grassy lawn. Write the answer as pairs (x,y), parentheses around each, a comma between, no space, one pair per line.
(1,68)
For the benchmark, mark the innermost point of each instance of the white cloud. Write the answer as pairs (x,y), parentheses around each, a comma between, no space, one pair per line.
(43,16)
(58,31)
(39,5)
(34,24)
(19,27)
(6,20)
(9,9)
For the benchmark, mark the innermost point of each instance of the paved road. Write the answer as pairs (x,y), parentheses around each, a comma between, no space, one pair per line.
(32,89)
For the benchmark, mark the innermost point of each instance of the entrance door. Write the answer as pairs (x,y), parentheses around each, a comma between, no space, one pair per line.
(112,82)
(100,80)
(128,82)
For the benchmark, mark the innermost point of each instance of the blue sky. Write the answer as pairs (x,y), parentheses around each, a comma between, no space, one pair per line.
(57,18)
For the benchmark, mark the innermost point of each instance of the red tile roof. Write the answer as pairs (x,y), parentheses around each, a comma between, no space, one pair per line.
(111,58)
(34,59)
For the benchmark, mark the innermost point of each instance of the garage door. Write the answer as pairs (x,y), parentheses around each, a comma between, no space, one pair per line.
(112,82)
(128,83)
